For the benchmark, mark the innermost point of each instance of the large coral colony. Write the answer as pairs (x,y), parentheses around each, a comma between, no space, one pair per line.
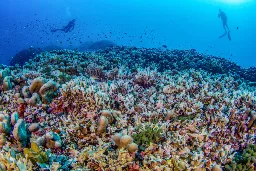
(126,108)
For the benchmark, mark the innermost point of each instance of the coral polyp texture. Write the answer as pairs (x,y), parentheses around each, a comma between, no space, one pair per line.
(126,108)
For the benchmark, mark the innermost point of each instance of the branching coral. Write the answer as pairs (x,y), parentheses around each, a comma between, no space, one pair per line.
(146,78)
(95,71)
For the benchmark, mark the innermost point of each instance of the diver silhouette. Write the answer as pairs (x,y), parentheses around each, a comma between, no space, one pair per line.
(69,27)
(224,19)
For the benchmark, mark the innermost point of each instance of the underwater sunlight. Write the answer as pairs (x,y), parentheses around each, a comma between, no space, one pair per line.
(238,2)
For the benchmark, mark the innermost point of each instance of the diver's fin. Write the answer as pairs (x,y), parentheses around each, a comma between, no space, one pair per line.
(229,37)
(54,30)
(223,35)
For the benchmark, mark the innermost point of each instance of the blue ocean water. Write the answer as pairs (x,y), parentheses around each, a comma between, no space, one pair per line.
(146,23)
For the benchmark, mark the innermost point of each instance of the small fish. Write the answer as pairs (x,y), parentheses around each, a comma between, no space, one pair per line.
(164,46)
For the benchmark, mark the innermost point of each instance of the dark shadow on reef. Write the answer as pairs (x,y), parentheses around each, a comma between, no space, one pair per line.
(24,55)
(98,45)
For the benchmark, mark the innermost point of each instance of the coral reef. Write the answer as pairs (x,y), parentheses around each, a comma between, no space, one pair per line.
(126,108)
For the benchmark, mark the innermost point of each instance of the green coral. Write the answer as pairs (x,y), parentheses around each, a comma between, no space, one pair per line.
(46,70)
(36,155)
(182,118)
(151,133)
(244,161)
(63,77)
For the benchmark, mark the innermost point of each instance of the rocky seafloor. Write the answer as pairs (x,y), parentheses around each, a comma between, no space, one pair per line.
(127,108)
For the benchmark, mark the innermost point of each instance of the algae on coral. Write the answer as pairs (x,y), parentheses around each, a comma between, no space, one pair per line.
(151,133)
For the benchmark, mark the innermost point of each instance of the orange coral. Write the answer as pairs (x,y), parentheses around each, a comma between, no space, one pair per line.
(21,110)
(57,106)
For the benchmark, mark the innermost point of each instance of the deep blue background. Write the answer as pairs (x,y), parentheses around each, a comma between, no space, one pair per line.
(147,23)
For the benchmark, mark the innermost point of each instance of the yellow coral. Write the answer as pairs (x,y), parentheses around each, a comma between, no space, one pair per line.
(177,165)
(36,84)
(8,162)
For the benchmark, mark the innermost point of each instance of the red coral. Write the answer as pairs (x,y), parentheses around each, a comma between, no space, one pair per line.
(58,107)
(21,110)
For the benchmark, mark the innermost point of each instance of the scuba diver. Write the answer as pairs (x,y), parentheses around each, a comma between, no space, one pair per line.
(69,27)
(224,19)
